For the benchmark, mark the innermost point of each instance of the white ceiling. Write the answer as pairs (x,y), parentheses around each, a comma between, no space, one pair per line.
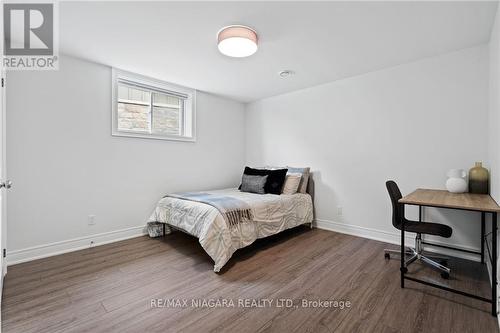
(321,41)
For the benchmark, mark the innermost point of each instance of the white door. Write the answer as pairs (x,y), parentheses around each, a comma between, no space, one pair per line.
(4,184)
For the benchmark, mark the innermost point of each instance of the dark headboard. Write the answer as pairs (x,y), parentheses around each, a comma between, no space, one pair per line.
(310,190)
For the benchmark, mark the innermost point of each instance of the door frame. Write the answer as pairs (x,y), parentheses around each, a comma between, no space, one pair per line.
(3,177)
(3,164)
(3,174)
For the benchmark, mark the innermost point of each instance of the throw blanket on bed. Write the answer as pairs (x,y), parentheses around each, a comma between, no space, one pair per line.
(233,210)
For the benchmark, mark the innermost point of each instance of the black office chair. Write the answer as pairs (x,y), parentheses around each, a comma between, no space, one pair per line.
(426,228)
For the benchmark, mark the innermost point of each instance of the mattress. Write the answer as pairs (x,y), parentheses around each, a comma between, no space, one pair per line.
(271,215)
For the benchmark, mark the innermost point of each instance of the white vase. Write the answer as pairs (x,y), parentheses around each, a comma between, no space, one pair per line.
(457,181)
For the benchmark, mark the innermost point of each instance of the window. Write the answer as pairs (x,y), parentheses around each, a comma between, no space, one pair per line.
(148,108)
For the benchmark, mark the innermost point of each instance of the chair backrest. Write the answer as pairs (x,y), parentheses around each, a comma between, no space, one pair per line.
(398,213)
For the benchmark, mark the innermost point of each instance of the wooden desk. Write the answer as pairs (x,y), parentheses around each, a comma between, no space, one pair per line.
(482,203)
(445,199)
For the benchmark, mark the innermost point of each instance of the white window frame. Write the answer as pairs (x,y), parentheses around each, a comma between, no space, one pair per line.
(156,86)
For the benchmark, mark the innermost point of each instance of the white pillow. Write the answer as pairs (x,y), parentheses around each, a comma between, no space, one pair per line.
(292,182)
(305,177)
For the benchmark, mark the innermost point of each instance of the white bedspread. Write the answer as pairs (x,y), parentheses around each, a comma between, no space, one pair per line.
(271,215)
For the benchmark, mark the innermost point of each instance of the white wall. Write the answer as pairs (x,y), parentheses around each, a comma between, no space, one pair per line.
(494,112)
(494,107)
(410,123)
(65,164)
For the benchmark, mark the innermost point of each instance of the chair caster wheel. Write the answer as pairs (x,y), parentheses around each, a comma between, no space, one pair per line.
(404,270)
(445,275)
(387,256)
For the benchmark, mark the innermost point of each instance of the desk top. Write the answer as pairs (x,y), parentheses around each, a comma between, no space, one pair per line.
(445,199)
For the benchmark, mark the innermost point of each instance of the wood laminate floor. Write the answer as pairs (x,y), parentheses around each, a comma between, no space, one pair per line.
(109,289)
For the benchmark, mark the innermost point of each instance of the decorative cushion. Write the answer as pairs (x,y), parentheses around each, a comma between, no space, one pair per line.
(275,179)
(253,184)
(292,182)
(305,177)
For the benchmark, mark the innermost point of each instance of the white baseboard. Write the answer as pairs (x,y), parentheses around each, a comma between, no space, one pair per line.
(70,245)
(391,237)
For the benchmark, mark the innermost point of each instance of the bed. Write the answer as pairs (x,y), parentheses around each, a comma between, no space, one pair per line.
(271,214)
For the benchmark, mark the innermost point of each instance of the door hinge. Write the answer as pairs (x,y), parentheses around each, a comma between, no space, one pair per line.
(4,253)
(3,82)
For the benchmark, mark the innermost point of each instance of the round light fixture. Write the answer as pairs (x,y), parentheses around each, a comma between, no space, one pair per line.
(237,41)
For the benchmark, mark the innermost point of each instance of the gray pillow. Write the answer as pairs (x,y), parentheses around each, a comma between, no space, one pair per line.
(253,184)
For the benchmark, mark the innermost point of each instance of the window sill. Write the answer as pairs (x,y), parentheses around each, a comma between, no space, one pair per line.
(154,137)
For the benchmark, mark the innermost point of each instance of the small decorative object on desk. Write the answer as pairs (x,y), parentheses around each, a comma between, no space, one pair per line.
(478,179)
(456,182)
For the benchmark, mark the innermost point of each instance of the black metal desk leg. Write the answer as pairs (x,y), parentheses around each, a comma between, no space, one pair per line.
(494,300)
(402,268)
(482,236)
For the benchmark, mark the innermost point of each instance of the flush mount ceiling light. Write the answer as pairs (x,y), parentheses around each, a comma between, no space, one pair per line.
(237,41)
